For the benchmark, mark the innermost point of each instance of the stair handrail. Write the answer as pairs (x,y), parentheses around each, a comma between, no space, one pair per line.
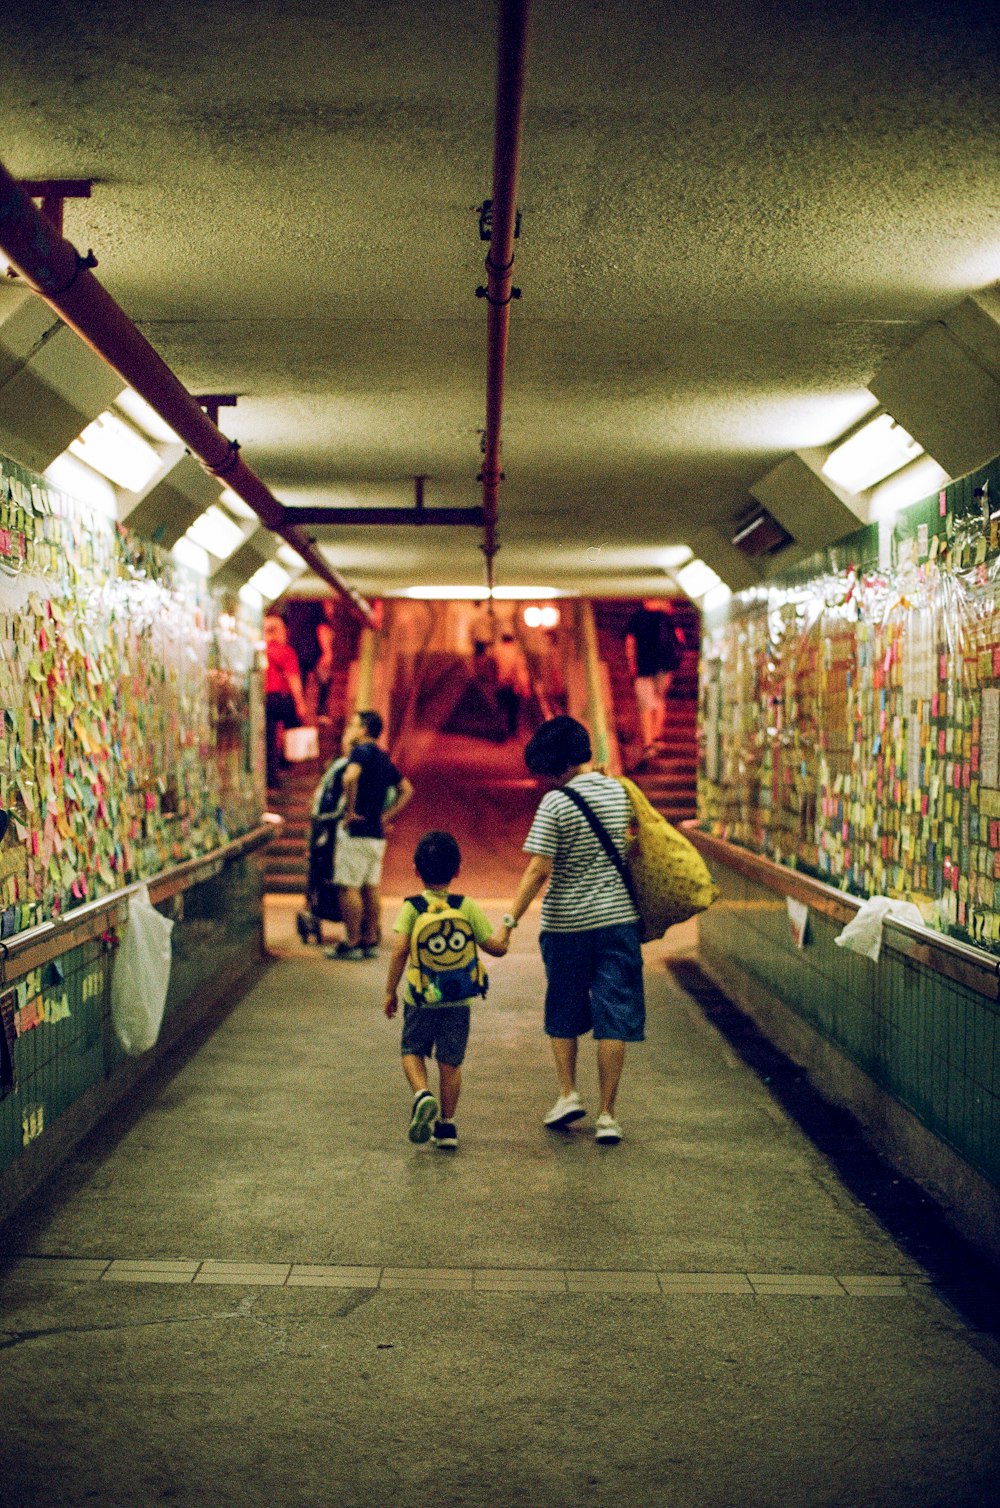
(607,753)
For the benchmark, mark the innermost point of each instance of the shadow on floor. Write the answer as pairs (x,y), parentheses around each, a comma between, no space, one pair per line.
(961,1273)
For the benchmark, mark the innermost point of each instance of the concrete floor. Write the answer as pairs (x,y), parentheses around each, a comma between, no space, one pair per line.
(705,1315)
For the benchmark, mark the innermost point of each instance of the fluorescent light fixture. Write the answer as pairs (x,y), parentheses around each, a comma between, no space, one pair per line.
(715,597)
(270,581)
(192,555)
(216,532)
(250,597)
(146,418)
(289,557)
(878,449)
(524,593)
(236,506)
(697,578)
(918,481)
(674,556)
(79,481)
(480,593)
(118,452)
(447,593)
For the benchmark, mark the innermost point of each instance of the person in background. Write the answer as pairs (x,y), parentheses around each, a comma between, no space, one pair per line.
(364,823)
(320,682)
(482,629)
(513,679)
(590,928)
(442,1027)
(284,701)
(654,645)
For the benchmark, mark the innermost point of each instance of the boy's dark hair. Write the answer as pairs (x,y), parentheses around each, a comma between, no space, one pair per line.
(372,723)
(557,746)
(437,858)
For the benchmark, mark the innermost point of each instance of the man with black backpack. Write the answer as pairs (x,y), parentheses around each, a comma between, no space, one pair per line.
(360,847)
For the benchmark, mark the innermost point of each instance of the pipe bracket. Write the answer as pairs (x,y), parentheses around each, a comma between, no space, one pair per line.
(496,268)
(232,457)
(83,264)
(498,303)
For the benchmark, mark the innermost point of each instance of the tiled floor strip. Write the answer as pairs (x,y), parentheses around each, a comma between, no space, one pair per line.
(458,1279)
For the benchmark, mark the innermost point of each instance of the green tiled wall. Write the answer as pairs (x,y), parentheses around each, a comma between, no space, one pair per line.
(928,1041)
(216,933)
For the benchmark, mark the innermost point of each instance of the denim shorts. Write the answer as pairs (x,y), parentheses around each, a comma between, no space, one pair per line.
(595,983)
(445,1027)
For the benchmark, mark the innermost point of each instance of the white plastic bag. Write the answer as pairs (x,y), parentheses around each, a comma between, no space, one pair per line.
(141,975)
(864,933)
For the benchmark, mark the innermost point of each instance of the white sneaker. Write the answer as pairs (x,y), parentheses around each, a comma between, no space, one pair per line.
(607,1129)
(564,1112)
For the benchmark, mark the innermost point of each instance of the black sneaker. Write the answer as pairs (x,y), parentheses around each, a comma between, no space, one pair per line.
(369,950)
(445,1136)
(425,1109)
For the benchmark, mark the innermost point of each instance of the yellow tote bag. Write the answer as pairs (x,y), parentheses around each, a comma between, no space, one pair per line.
(669,876)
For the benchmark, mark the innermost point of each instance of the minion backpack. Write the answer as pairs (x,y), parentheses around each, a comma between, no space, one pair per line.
(444,964)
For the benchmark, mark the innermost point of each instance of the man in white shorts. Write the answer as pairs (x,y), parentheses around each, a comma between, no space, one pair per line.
(357,858)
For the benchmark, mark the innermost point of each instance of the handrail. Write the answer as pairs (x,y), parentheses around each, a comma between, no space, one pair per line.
(39,945)
(598,689)
(967,965)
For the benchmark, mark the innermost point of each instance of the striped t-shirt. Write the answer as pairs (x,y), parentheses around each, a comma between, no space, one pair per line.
(586,890)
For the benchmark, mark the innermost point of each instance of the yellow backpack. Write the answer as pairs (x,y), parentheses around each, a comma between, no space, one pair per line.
(663,872)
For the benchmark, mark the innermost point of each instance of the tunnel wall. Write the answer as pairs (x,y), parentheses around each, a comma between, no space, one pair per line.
(66,1073)
(131,743)
(911,1052)
(850,713)
(850,732)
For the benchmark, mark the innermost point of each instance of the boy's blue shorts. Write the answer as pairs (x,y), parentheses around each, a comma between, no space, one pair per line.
(445,1027)
(595,983)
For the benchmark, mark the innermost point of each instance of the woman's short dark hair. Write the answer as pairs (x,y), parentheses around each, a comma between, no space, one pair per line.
(437,858)
(557,746)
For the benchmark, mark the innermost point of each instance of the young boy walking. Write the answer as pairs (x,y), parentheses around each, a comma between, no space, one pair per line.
(442,981)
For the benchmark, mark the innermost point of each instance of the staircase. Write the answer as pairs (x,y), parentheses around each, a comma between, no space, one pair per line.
(288,854)
(668,778)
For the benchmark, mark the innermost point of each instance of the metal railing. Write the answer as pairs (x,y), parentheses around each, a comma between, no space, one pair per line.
(39,945)
(967,965)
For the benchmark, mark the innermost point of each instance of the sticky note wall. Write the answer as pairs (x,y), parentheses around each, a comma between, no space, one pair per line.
(850,713)
(130,708)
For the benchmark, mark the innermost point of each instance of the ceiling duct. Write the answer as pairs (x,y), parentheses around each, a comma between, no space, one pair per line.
(51,384)
(171,507)
(759,533)
(943,393)
(810,509)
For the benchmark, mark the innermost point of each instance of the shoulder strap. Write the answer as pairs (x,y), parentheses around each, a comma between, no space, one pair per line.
(418,902)
(604,838)
(455,901)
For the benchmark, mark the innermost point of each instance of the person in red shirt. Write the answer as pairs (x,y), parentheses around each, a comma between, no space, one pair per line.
(285,705)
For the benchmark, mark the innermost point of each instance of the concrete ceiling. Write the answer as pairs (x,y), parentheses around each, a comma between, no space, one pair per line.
(733,213)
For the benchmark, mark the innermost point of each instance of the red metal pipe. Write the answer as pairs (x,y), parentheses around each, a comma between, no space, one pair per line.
(56,272)
(512,52)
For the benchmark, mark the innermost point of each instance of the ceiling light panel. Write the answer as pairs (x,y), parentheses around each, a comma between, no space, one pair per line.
(697,578)
(270,581)
(118,452)
(216,532)
(876,451)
